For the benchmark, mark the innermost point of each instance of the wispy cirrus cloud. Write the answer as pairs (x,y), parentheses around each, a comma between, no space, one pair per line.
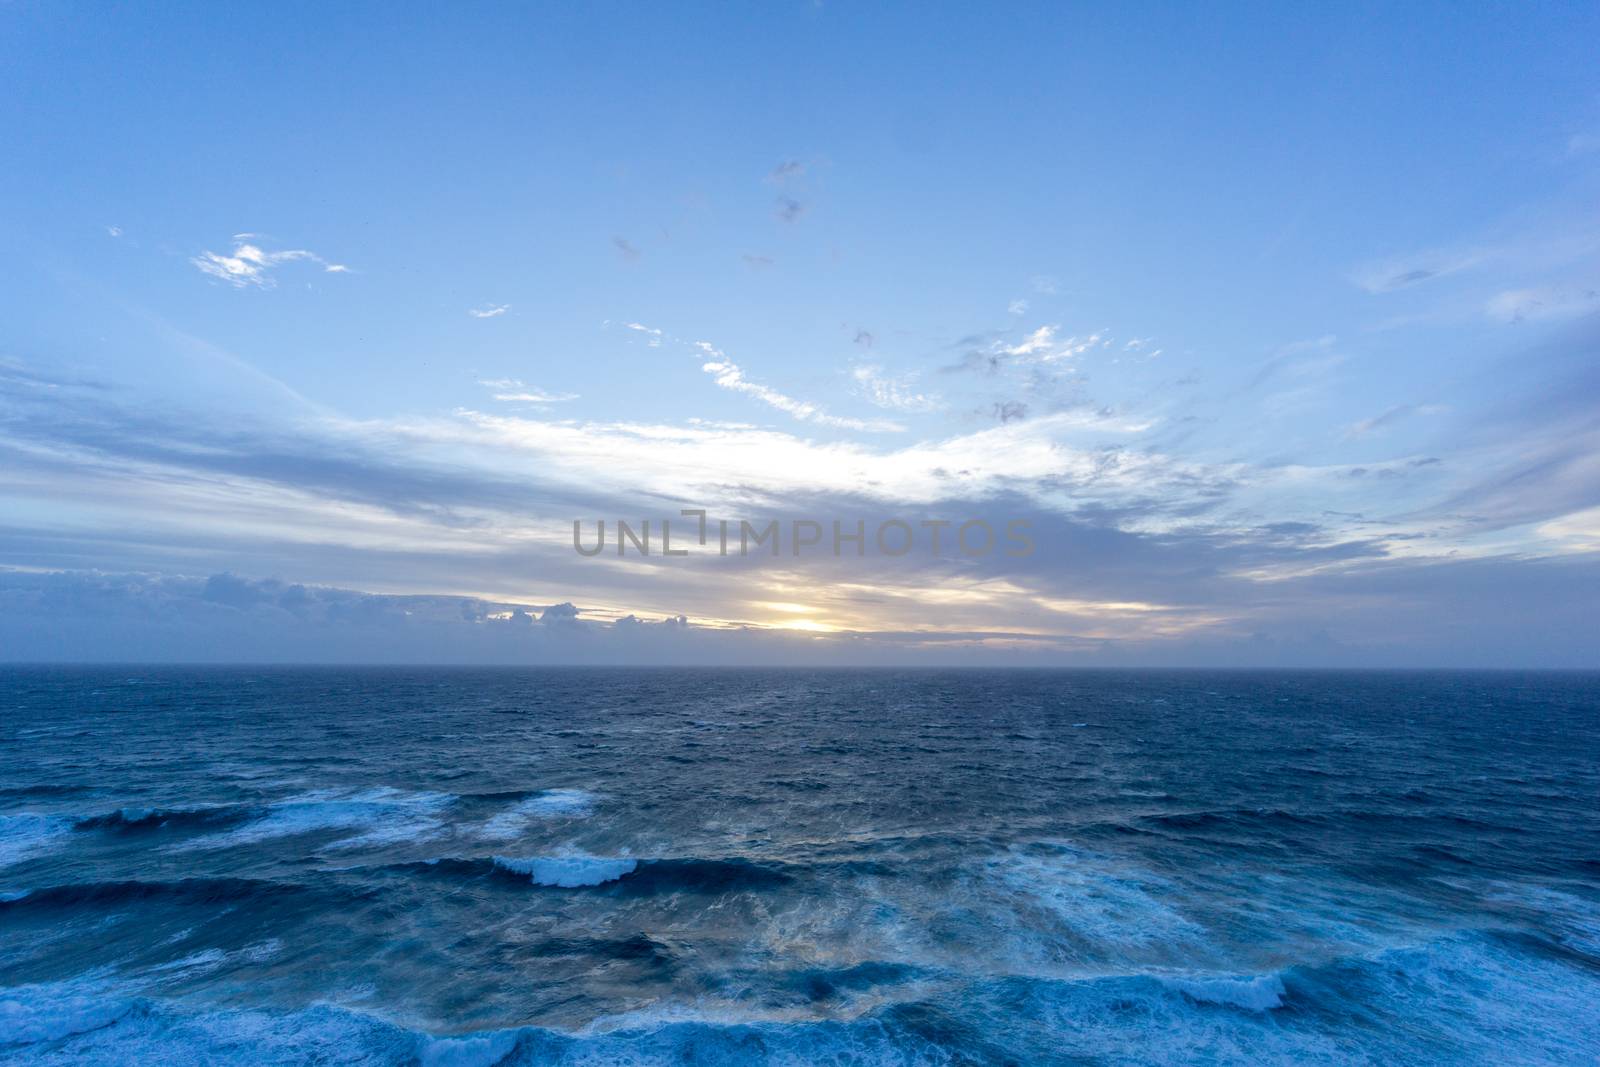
(1555,242)
(1543,303)
(1403,272)
(652,333)
(896,393)
(1390,417)
(1041,347)
(514,390)
(1136,546)
(248,264)
(489,311)
(728,375)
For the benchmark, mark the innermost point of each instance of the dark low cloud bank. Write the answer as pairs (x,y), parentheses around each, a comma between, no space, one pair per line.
(1423,617)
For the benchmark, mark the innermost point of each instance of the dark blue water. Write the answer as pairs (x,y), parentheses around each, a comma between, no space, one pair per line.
(600,867)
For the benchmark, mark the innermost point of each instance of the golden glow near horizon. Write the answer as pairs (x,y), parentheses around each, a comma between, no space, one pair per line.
(986,612)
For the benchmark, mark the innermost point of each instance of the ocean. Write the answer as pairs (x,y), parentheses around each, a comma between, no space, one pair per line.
(474,867)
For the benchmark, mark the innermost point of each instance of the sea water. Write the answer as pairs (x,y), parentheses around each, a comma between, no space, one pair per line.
(473,867)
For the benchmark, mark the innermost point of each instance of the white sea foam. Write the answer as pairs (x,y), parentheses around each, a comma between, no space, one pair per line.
(33,1014)
(61,1024)
(27,835)
(1574,920)
(130,815)
(374,817)
(550,804)
(261,951)
(1460,999)
(569,872)
(484,1051)
(1067,904)
(1261,992)
(55,1028)
(208,960)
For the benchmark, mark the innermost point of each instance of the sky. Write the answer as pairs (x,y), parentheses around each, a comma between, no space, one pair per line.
(1276,327)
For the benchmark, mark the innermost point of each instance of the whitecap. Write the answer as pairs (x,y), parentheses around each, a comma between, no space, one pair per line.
(1262,992)
(484,1051)
(31,1014)
(208,960)
(384,816)
(261,951)
(550,804)
(1072,902)
(569,872)
(27,835)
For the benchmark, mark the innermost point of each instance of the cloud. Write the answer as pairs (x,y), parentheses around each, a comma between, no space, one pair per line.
(789,209)
(653,334)
(728,375)
(1299,361)
(1041,347)
(625,249)
(1010,410)
(489,311)
(512,390)
(226,617)
(1126,601)
(1579,529)
(1580,144)
(483,501)
(1550,302)
(1390,417)
(1556,240)
(864,337)
(788,169)
(701,461)
(1017,307)
(1038,342)
(559,615)
(1402,272)
(114,231)
(536,397)
(894,393)
(248,264)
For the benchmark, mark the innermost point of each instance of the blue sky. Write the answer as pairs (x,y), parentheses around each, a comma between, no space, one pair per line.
(1279,325)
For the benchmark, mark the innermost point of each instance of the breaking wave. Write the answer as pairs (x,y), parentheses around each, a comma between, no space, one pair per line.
(26,836)
(353,819)
(568,872)
(549,804)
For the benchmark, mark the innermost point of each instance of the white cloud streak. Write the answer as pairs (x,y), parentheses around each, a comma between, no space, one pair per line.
(513,391)
(251,265)
(653,334)
(729,375)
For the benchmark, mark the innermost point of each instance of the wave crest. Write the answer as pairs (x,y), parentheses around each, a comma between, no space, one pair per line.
(569,872)
(1262,992)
